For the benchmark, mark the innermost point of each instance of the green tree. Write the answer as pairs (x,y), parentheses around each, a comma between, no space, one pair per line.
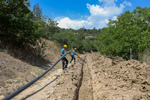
(130,30)
(46,26)
(47,29)
(37,12)
(52,26)
(15,23)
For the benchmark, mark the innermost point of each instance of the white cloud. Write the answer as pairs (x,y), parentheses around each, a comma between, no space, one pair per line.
(127,3)
(67,23)
(99,15)
(114,18)
(100,0)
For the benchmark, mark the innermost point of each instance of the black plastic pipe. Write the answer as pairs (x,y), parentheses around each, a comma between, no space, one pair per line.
(80,58)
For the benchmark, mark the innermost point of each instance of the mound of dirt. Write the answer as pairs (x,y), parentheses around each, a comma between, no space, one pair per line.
(124,80)
(116,60)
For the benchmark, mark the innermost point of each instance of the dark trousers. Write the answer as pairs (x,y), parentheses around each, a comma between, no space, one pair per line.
(63,62)
(72,57)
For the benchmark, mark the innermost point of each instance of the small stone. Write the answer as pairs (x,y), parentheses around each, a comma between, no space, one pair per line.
(148,94)
(48,96)
(1,97)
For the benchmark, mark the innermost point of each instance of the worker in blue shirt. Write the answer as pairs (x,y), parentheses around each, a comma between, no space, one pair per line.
(72,55)
(64,58)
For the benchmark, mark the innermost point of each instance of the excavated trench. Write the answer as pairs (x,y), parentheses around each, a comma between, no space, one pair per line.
(85,90)
(80,83)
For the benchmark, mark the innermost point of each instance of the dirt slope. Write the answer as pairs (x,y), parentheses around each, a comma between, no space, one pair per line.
(15,72)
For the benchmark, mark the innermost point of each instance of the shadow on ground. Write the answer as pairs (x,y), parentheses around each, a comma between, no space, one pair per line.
(38,90)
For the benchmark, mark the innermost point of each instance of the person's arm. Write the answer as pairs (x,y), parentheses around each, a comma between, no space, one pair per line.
(74,53)
(61,54)
(62,51)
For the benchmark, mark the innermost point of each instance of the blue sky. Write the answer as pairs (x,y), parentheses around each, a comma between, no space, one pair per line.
(86,13)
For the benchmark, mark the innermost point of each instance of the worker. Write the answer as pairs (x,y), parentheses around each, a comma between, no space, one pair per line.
(64,58)
(72,55)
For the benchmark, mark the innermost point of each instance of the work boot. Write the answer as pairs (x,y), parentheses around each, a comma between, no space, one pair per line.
(64,69)
(67,67)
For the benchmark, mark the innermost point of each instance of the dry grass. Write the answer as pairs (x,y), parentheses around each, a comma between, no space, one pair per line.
(26,54)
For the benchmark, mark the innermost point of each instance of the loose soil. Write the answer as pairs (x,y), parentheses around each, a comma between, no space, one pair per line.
(116,79)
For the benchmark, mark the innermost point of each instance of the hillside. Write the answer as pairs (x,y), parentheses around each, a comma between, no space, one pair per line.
(16,71)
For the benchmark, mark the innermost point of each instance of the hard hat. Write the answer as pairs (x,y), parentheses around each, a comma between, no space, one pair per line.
(75,48)
(65,46)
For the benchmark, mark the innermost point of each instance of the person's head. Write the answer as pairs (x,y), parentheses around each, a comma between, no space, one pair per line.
(65,46)
(75,49)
